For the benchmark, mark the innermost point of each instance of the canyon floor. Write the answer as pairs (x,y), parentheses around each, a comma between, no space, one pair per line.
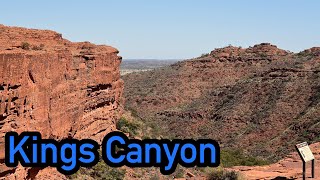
(137,65)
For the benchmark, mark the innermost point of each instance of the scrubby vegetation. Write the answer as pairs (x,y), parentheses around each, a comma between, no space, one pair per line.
(204,55)
(128,127)
(100,171)
(179,172)
(231,158)
(137,126)
(25,45)
(221,174)
(103,171)
(148,129)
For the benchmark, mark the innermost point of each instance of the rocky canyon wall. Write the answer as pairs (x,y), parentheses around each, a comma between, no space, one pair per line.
(59,88)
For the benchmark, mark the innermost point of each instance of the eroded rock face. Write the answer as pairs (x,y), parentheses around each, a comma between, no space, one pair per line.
(59,88)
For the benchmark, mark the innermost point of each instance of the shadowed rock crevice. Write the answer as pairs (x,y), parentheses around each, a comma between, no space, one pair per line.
(31,77)
(32,172)
(4,173)
(95,90)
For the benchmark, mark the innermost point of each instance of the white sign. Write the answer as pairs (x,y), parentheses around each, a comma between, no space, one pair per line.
(305,151)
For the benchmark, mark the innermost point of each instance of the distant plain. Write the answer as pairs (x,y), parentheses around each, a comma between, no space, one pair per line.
(137,65)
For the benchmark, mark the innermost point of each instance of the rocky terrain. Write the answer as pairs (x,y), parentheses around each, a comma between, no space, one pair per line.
(59,88)
(261,100)
(287,168)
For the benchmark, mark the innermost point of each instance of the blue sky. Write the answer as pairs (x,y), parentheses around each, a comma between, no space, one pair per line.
(172,28)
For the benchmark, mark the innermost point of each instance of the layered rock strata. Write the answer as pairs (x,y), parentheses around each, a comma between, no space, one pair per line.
(59,88)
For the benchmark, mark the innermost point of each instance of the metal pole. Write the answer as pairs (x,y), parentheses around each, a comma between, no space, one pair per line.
(312,169)
(304,170)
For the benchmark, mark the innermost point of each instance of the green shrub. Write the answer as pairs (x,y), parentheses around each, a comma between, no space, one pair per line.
(204,55)
(223,175)
(25,45)
(155,177)
(99,171)
(128,127)
(231,158)
(103,171)
(134,112)
(179,172)
(145,137)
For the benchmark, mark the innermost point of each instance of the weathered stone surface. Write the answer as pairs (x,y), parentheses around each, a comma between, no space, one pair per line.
(263,51)
(59,88)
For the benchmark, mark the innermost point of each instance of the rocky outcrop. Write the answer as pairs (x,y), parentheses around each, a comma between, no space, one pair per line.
(59,88)
(263,51)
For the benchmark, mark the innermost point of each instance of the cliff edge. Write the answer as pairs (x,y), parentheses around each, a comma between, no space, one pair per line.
(59,88)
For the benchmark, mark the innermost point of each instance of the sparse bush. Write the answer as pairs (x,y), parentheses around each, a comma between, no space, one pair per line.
(231,158)
(155,177)
(134,112)
(263,55)
(99,171)
(25,45)
(223,175)
(145,137)
(128,127)
(179,172)
(204,55)
(103,171)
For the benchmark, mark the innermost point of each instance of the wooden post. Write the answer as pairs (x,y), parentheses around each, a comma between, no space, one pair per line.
(312,169)
(304,170)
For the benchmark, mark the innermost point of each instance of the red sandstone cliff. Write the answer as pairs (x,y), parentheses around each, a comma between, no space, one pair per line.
(57,87)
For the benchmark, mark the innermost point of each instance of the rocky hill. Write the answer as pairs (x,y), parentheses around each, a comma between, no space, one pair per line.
(261,100)
(60,88)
